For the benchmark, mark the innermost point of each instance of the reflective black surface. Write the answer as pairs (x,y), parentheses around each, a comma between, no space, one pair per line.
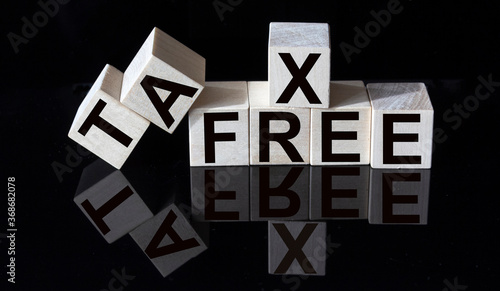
(449,46)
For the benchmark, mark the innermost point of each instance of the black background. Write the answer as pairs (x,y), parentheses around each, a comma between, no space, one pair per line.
(446,44)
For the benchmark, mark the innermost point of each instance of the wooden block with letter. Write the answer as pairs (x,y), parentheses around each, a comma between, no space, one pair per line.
(297,248)
(340,134)
(402,118)
(110,202)
(218,125)
(103,125)
(163,80)
(299,64)
(278,135)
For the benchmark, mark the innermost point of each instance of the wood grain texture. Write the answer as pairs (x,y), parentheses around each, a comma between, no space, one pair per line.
(220,193)
(297,248)
(339,192)
(224,106)
(349,113)
(298,151)
(279,192)
(110,202)
(299,40)
(402,125)
(164,58)
(168,240)
(117,129)
(399,196)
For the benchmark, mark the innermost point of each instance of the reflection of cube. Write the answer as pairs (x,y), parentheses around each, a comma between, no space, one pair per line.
(402,118)
(163,80)
(168,240)
(340,134)
(110,202)
(220,193)
(297,248)
(399,196)
(103,125)
(218,125)
(278,135)
(299,64)
(279,192)
(339,192)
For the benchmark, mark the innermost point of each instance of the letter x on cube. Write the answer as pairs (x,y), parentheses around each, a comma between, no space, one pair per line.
(299,64)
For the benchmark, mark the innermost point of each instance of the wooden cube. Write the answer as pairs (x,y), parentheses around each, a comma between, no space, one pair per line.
(103,125)
(339,192)
(218,125)
(220,193)
(279,192)
(340,134)
(402,118)
(297,248)
(110,202)
(277,135)
(163,80)
(299,64)
(168,240)
(399,196)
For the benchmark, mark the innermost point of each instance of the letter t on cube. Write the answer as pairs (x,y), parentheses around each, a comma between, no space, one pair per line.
(103,125)
(163,80)
(299,65)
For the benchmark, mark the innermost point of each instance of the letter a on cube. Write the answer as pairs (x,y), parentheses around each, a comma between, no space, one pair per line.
(103,125)
(402,118)
(218,125)
(299,64)
(163,80)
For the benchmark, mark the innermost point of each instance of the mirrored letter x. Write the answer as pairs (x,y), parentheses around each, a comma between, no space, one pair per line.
(295,248)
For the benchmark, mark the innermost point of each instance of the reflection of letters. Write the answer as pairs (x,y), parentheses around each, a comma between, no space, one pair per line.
(399,196)
(283,190)
(339,192)
(389,199)
(295,247)
(98,215)
(329,193)
(110,202)
(334,192)
(211,195)
(153,250)
(220,193)
(168,239)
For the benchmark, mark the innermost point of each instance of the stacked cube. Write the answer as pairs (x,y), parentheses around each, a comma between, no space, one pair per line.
(298,116)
